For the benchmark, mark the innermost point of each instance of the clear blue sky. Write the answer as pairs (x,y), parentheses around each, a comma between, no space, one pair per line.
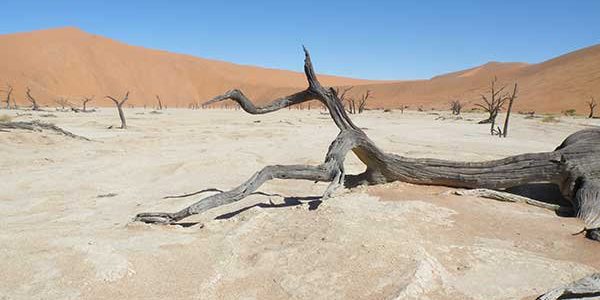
(366,39)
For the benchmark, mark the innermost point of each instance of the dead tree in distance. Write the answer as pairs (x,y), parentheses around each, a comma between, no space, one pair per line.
(492,104)
(592,105)
(85,101)
(160,107)
(342,94)
(8,91)
(511,99)
(63,102)
(362,101)
(456,107)
(119,105)
(573,165)
(34,104)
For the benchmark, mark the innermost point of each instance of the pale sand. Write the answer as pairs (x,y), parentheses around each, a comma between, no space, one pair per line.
(58,240)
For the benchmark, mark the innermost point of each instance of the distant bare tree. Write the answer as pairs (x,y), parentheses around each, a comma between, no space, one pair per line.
(34,104)
(492,104)
(8,91)
(402,108)
(119,105)
(63,102)
(85,101)
(592,104)
(362,101)
(342,95)
(511,99)
(160,106)
(456,106)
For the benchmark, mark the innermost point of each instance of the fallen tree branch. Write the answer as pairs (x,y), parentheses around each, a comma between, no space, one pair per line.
(36,125)
(584,288)
(508,197)
(573,166)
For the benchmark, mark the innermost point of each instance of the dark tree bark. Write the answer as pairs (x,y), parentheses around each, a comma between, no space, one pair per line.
(584,288)
(511,99)
(342,94)
(573,165)
(119,105)
(592,105)
(34,105)
(362,102)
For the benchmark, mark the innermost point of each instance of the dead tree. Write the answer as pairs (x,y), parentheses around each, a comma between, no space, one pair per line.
(85,101)
(456,106)
(119,105)
(63,103)
(362,101)
(511,99)
(592,105)
(8,91)
(160,107)
(34,104)
(573,165)
(493,105)
(587,287)
(342,94)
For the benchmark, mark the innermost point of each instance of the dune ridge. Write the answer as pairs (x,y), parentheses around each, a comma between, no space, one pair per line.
(70,63)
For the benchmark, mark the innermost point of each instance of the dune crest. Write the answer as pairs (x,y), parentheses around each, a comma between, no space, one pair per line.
(68,62)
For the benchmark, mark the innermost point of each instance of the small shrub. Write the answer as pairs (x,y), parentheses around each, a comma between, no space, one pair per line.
(569,112)
(550,119)
(5,118)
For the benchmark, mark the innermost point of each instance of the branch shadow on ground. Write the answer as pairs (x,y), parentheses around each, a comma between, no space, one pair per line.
(545,192)
(313,203)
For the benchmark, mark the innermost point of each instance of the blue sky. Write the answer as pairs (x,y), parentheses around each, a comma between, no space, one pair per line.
(365,39)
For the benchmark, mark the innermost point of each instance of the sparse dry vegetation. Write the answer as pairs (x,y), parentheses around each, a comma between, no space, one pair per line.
(550,119)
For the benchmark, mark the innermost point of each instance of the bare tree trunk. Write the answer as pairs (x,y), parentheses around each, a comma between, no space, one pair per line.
(34,105)
(363,101)
(9,90)
(160,107)
(573,165)
(585,288)
(85,102)
(592,104)
(119,105)
(510,104)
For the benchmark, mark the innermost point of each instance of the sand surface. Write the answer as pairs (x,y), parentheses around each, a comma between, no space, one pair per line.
(66,207)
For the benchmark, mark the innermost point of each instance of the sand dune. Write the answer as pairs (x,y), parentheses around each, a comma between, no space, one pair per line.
(551,86)
(68,62)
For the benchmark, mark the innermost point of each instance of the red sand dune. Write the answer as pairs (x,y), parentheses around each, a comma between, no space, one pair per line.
(70,63)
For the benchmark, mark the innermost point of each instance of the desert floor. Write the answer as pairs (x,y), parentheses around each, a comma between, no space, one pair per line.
(66,207)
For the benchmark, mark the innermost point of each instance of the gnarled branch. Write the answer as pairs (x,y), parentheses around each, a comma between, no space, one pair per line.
(573,165)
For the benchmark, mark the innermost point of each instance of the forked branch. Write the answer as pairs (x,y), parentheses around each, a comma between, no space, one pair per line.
(573,165)
(119,105)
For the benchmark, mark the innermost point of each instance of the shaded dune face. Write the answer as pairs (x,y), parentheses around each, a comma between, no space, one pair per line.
(70,63)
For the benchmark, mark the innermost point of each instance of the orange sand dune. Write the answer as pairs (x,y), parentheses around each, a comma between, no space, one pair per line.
(70,63)
(551,86)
